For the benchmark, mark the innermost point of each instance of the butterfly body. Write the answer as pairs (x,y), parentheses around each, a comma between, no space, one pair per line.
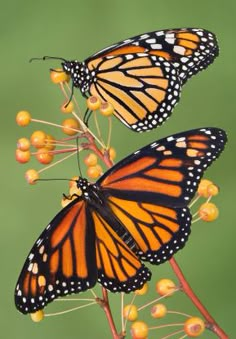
(137,211)
(142,77)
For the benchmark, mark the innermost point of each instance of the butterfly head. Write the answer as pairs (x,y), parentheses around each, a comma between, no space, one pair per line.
(80,74)
(83,184)
(90,192)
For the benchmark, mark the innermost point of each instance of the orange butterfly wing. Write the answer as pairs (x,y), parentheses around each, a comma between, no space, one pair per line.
(77,249)
(159,231)
(142,89)
(189,49)
(150,190)
(142,76)
(167,171)
(119,269)
(62,261)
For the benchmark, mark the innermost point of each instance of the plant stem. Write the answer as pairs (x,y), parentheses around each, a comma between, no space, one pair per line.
(106,307)
(93,147)
(186,288)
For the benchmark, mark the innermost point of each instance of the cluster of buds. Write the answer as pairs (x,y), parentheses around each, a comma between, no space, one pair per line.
(44,147)
(191,326)
(207,211)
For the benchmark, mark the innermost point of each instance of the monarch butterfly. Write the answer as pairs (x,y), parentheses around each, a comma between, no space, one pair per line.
(137,211)
(142,76)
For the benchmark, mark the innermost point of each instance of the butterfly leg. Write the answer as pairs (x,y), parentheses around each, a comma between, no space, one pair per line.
(67,197)
(70,197)
(87,116)
(71,96)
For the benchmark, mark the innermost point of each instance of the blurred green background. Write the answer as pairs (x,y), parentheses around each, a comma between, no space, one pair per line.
(76,29)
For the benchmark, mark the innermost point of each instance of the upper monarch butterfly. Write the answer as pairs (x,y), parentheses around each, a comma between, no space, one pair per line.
(142,76)
(138,210)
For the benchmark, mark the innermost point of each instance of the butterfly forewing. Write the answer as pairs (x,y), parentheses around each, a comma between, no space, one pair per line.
(189,49)
(167,171)
(62,261)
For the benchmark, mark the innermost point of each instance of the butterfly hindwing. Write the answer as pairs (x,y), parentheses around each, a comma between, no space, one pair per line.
(158,231)
(119,269)
(142,88)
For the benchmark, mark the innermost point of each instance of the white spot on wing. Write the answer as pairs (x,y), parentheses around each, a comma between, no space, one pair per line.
(170,40)
(159,33)
(156,46)
(151,41)
(179,50)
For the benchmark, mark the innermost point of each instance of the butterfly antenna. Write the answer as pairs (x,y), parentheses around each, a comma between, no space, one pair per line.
(46,57)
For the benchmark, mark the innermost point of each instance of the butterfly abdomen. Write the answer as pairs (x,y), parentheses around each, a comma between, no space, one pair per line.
(97,201)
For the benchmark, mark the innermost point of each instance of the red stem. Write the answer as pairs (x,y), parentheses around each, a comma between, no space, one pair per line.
(93,147)
(61,151)
(211,323)
(106,307)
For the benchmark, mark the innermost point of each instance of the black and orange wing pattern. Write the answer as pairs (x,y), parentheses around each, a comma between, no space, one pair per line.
(142,76)
(167,171)
(77,249)
(149,191)
(119,269)
(142,88)
(62,261)
(159,231)
(189,49)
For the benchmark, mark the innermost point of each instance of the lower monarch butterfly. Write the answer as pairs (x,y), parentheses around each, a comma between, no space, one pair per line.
(142,76)
(138,210)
